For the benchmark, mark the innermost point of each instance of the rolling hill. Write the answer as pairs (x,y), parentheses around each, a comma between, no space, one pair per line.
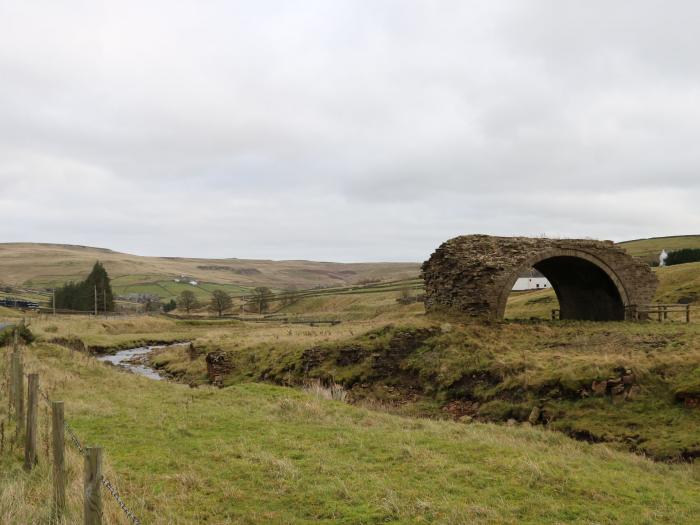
(649,249)
(41,266)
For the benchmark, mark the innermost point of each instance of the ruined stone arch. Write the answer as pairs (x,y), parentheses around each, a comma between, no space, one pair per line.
(594,280)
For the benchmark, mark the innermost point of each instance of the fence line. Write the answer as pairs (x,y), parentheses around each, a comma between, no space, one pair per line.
(640,312)
(94,478)
(82,450)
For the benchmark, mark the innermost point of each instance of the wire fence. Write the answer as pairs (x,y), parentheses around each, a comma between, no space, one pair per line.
(16,385)
(109,486)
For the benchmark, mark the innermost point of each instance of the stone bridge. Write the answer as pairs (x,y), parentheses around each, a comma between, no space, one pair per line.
(593,280)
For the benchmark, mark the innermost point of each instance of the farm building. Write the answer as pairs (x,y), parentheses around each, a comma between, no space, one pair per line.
(531,280)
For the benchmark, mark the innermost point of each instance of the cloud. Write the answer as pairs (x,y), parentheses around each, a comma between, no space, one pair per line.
(345,130)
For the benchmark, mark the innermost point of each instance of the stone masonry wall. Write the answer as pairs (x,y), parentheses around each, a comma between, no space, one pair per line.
(474,274)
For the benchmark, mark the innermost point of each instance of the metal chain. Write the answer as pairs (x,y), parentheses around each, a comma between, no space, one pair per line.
(107,484)
(73,437)
(132,517)
(43,394)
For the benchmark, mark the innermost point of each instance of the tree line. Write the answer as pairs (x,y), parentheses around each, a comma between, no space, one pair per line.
(685,255)
(221,302)
(92,294)
(95,294)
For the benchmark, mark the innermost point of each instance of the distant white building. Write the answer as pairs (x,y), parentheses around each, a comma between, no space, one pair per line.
(531,280)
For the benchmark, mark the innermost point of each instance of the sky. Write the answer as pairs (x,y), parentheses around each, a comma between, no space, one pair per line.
(345,130)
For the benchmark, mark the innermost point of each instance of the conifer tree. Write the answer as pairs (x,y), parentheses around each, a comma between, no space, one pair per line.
(81,296)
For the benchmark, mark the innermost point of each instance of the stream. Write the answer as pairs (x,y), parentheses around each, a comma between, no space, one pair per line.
(133,359)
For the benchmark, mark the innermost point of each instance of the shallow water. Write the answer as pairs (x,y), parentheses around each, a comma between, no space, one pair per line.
(123,359)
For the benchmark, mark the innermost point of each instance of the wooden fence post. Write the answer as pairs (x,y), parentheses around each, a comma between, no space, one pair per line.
(687,313)
(18,370)
(30,455)
(59,461)
(92,479)
(11,387)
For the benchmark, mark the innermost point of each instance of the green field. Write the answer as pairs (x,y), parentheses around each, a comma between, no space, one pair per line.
(255,453)
(649,249)
(444,420)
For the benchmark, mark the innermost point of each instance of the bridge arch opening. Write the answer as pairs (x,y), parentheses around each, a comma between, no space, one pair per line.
(586,289)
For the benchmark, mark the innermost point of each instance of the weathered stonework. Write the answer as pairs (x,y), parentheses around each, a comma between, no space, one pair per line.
(218,366)
(594,280)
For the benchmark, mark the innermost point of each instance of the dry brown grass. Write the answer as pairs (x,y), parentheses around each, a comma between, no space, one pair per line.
(21,262)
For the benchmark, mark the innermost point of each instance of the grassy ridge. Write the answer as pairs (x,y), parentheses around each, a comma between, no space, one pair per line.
(49,265)
(263,454)
(649,249)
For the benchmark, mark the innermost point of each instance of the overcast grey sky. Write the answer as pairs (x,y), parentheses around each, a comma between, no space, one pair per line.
(345,130)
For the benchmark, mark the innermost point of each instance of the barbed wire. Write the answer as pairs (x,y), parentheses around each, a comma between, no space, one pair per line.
(43,394)
(75,440)
(132,517)
(107,484)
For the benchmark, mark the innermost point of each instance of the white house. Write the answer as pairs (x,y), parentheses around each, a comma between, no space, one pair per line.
(531,280)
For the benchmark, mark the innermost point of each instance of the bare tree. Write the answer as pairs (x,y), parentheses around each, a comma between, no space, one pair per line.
(187,301)
(261,298)
(220,302)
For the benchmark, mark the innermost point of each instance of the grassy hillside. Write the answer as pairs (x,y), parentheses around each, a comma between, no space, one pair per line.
(256,453)
(49,265)
(416,365)
(649,249)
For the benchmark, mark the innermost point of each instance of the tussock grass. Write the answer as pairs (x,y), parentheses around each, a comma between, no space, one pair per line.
(333,391)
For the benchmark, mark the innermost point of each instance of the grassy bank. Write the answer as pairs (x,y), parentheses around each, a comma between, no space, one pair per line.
(490,372)
(256,453)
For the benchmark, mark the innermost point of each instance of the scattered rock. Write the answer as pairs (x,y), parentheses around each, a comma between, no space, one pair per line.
(534,415)
(599,387)
(614,386)
(461,408)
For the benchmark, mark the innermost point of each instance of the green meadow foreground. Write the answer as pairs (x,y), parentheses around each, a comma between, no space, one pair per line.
(257,453)
(433,426)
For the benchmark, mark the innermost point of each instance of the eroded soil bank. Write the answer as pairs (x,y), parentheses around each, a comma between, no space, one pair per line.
(636,385)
